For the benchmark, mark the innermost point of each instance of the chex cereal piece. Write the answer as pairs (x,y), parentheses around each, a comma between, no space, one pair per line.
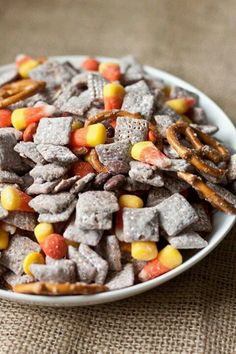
(231,173)
(9,159)
(140,224)
(55,153)
(207,129)
(3,212)
(49,288)
(138,266)
(112,252)
(170,152)
(8,228)
(223,192)
(11,279)
(98,262)
(187,240)
(27,181)
(132,186)
(41,188)
(163,122)
(65,184)
(13,256)
(78,104)
(133,74)
(128,61)
(82,183)
(204,223)
(178,165)
(52,72)
(86,272)
(198,115)
(10,177)
(58,217)
(89,237)
(22,220)
(96,84)
(47,203)
(134,130)
(8,76)
(179,92)
(175,214)
(29,150)
(93,220)
(167,111)
(48,172)
(115,151)
(139,103)
(59,272)
(98,201)
(17,133)
(65,94)
(175,185)
(140,87)
(54,131)
(123,279)
(145,173)
(156,196)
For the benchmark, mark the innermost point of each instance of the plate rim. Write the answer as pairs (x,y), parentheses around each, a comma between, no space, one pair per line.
(115,295)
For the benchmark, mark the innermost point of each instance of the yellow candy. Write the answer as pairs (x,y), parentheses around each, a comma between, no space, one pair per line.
(10,199)
(76,125)
(18,118)
(96,134)
(4,239)
(138,148)
(72,243)
(32,258)
(27,66)
(130,201)
(170,257)
(113,89)
(181,105)
(42,230)
(144,250)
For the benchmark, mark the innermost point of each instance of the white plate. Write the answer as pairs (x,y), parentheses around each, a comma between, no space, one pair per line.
(222,222)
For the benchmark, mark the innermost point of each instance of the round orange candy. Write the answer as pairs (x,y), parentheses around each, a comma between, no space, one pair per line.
(5,118)
(90,64)
(54,246)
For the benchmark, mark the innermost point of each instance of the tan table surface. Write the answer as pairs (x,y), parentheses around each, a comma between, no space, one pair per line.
(196,312)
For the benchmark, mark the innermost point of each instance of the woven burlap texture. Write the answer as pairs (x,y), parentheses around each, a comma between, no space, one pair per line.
(196,312)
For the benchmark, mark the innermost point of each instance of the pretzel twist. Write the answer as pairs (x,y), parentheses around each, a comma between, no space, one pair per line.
(208,193)
(211,149)
(104,115)
(19,90)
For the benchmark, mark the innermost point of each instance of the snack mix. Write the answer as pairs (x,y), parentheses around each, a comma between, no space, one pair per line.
(106,175)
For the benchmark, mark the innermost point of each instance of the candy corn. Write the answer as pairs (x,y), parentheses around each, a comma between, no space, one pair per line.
(5,118)
(90,136)
(22,117)
(147,152)
(32,258)
(110,71)
(144,250)
(113,95)
(4,239)
(13,199)
(125,201)
(25,63)
(42,230)
(168,259)
(90,64)
(181,105)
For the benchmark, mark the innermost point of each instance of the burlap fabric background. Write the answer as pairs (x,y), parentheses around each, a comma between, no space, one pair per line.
(196,312)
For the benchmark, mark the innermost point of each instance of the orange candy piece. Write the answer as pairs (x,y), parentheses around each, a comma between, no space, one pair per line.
(113,94)
(13,199)
(22,117)
(110,71)
(29,132)
(5,118)
(90,64)
(54,246)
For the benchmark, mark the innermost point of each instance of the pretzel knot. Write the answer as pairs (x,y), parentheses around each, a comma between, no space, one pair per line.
(113,114)
(19,90)
(208,193)
(211,149)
